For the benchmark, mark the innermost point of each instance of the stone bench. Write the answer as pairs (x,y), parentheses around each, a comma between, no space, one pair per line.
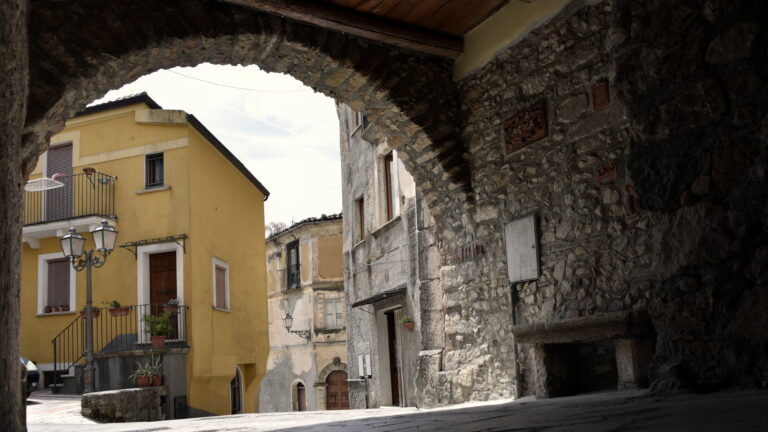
(631,332)
(127,405)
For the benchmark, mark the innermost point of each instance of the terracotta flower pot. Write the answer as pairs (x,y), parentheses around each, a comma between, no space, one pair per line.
(118,312)
(143,380)
(96,313)
(157,380)
(158,341)
(409,326)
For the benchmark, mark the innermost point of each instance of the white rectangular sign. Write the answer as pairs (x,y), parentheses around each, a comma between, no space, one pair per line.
(522,249)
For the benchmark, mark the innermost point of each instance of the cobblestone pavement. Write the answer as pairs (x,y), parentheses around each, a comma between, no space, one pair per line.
(604,412)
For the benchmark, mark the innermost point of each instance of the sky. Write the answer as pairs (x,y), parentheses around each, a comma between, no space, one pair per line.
(282,131)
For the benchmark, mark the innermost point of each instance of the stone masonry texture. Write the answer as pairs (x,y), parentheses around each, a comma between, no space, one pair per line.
(655,201)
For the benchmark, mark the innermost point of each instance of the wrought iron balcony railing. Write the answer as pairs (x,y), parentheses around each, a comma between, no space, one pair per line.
(82,195)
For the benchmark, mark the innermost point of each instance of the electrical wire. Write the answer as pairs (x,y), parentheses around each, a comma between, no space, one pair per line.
(240,88)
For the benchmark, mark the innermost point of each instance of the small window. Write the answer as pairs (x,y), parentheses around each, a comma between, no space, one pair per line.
(58,285)
(357,120)
(154,171)
(334,317)
(220,284)
(360,207)
(292,267)
(391,187)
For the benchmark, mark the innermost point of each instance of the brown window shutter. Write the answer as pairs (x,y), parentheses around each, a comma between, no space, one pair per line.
(58,283)
(221,294)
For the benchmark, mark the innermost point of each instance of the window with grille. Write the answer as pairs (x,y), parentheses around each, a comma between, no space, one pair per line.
(220,284)
(334,316)
(154,171)
(292,267)
(58,284)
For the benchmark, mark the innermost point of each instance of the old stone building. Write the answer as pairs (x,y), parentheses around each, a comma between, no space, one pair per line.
(381,266)
(307,365)
(632,130)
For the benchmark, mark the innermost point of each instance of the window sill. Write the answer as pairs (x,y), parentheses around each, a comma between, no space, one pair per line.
(390,223)
(221,309)
(156,189)
(56,313)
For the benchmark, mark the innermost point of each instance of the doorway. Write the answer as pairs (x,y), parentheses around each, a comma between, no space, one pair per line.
(58,202)
(392,352)
(162,286)
(337,391)
(236,392)
(301,397)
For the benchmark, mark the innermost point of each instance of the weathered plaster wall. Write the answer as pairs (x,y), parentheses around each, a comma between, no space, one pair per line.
(293,359)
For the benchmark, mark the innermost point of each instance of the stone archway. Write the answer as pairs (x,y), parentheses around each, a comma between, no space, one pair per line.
(322,376)
(57,58)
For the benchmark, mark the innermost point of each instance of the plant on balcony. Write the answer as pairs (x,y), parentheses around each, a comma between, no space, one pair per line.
(83,313)
(407,322)
(159,327)
(172,305)
(150,373)
(48,309)
(116,309)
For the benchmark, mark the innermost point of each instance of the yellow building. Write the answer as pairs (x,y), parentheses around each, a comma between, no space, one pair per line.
(190,219)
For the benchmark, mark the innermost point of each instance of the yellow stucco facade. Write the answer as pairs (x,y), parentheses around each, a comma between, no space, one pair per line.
(206,196)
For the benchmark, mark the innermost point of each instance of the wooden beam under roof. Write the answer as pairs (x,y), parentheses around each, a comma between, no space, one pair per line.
(370,27)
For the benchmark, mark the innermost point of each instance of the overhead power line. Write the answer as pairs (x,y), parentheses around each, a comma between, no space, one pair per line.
(239,88)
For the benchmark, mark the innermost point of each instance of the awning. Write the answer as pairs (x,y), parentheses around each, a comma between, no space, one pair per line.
(380,296)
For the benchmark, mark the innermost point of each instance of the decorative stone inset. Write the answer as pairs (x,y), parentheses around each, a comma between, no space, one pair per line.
(525,127)
(607,173)
(601,97)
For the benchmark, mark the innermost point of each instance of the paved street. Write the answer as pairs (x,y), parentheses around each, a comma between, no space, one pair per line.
(604,412)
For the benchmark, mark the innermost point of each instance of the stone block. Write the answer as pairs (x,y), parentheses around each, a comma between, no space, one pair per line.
(128,405)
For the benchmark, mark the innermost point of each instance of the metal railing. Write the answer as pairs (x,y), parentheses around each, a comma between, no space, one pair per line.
(115,330)
(82,195)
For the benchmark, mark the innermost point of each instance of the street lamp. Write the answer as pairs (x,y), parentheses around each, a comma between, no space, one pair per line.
(72,245)
(288,323)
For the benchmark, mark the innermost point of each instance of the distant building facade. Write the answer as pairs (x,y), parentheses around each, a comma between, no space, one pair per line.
(307,366)
(387,284)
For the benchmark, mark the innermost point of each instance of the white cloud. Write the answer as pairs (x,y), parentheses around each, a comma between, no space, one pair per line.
(285,134)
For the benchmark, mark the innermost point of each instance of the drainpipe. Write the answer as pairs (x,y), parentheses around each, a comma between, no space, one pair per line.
(515,300)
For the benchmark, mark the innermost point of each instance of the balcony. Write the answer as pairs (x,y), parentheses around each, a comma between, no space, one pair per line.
(84,200)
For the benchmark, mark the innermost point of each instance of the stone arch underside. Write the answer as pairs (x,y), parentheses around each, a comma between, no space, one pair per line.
(80,51)
(327,370)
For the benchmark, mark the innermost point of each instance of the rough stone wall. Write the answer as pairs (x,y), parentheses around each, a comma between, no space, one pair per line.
(129,405)
(656,200)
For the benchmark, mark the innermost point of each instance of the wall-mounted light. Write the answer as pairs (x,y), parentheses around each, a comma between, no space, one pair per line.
(288,323)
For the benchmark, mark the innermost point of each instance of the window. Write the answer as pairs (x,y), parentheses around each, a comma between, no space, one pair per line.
(154,171)
(292,267)
(56,284)
(220,284)
(357,120)
(360,207)
(391,187)
(334,317)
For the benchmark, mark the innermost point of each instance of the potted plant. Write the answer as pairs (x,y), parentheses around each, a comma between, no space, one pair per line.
(96,312)
(47,309)
(116,309)
(407,322)
(159,327)
(150,373)
(172,305)
(57,308)
(64,308)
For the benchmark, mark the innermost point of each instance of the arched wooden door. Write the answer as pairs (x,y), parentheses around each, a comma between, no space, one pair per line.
(336,391)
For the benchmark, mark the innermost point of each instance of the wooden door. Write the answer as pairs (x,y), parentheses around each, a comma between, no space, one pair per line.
(162,279)
(394,370)
(58,202)
(337,391)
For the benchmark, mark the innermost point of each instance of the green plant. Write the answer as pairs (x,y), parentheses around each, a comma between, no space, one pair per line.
(151,368)
(114,304)
(406,319)
(158,325)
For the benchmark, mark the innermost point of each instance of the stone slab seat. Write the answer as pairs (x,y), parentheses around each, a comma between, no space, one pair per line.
(633,338)
(590,328)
